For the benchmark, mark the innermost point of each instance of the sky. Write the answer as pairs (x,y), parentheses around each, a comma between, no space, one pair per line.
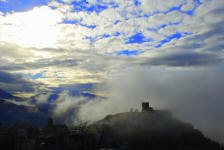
(167,52)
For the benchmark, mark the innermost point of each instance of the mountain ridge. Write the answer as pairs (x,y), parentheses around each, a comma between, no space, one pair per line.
(6,95)
(11,114)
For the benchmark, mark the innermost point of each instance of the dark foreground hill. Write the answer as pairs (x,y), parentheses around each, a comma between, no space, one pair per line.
(156,130)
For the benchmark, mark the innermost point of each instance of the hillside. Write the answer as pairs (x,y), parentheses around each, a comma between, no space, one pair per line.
(156,130)
(11,113)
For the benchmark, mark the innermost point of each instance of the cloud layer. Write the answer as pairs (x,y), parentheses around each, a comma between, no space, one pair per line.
(195,96)
(78,36)
(169,51)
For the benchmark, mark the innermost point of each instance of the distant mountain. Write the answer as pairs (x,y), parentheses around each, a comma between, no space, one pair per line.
(54,96)
(6,95)
(156,130)
(11,114)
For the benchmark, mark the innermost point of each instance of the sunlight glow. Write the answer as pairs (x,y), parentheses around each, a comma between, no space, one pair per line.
(35,28)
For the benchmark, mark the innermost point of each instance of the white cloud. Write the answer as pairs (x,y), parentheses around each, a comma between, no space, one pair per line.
(68,1)
(55,4)
(39,38)
(48,30)
(4,0)
(35,28)
(189,5)
(42,98)
(66,107)
(150,6)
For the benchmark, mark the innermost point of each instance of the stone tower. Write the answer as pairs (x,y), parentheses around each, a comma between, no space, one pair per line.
(146,108)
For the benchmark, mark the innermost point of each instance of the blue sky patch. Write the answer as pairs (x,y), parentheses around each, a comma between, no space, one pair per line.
(78,22)
(197,3)
(35,76)
(116,34)
(138,38)
(158,28)
(71,21)
(173,9)
(163,26)
(94,39)
(84,5)
(117,21)
(178,8)
(169,38)
(129,52)
(174,36)
(105,36)
(91,39)
(21,5)
(88,26)
(137,3)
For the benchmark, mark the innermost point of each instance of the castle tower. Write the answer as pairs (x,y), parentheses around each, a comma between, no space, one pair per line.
(146,108)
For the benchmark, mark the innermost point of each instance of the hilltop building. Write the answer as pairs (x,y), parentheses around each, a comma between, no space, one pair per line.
(52,128)
(146,108)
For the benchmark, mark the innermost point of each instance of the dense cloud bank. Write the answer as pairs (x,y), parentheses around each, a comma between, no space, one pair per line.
(192,96)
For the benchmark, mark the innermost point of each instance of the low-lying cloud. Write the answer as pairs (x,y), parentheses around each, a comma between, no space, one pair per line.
(192,96)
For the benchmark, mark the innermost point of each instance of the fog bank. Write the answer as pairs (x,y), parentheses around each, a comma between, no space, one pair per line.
(193,96)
